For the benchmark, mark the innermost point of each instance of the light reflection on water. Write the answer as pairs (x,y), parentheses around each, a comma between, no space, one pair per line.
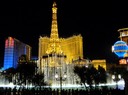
(113,84)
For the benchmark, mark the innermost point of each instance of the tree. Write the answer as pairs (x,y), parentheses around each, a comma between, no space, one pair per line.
(26,70)
(87,75)
(92,76)
(80,71)
(38,80)
(102,74)
(9,74)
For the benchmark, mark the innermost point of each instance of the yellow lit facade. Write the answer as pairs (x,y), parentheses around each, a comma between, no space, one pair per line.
(97,63)
(124,36)
(72,47)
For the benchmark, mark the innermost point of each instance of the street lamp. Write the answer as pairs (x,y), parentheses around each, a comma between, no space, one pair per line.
(116,78)
(61,78)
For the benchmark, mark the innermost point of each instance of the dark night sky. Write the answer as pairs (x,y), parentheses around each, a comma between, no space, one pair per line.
(97,21)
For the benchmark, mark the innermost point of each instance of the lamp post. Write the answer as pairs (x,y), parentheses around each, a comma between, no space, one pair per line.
(116,78)
(60,78)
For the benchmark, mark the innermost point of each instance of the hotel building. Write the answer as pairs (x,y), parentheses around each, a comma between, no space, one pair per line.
(13,50)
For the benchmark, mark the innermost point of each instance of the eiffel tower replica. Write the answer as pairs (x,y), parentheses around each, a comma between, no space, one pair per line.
(56,54)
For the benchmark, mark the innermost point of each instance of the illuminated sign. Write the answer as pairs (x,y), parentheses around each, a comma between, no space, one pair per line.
(120,48)
(122,61)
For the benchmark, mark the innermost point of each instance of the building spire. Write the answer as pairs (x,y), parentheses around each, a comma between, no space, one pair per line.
(54,26)
(54,45)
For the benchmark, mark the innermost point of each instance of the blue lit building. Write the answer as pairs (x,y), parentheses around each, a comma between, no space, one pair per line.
(13,50)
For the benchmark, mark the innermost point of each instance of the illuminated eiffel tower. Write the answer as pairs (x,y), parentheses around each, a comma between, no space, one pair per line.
(56,54)
(54,44)
(53,62)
